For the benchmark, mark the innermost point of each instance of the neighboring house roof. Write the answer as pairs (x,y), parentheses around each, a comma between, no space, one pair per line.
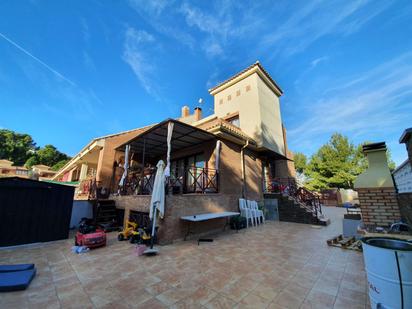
(124,132)
(400,166)
(98,141)
(41,167)
(256,67)
(405,135)
(9,164)
(6,163)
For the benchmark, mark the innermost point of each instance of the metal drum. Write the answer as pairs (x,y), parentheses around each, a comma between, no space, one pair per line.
(388,264)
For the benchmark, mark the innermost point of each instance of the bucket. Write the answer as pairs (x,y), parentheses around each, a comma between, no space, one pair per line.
(388,264)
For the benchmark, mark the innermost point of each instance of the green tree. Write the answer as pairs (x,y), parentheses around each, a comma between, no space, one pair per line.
(16,147)
(48,155)
(300,162)
(33,160)
(337,164)
(59,165)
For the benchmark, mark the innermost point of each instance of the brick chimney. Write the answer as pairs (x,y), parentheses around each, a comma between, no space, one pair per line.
(185,111)
(198,113)
(376,190)
(406,139)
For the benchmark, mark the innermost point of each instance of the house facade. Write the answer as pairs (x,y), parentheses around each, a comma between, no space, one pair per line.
(8,169)
(235,152)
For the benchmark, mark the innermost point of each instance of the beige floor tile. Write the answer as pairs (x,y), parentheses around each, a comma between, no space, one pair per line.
(253,301)
(170,297)
(319,299)
(220,302)
(266,291)
(344,303)
(276,263)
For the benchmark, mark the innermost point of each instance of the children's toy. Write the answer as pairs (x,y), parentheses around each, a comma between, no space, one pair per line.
(129,232)
(89,235)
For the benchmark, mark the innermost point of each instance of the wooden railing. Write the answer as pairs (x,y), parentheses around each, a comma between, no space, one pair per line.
(181,181)
(303,196)
(194,180)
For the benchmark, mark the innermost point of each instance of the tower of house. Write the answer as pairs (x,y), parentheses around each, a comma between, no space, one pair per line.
(250,100)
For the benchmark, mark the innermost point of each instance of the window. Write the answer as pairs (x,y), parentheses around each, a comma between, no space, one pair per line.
(235,121)
(229,97)
(187,173)
(248,88)
(238,93)
(221,101)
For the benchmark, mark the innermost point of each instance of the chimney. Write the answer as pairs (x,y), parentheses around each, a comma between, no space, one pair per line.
(376,190)
(198,113)
(185,111)
(377,174)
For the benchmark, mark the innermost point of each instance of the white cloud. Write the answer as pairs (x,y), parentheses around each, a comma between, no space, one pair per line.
(317,19)
(316,61)
(373,107)
(138,56)
(67,98)
(213,30)
(154,7)
(44,64)
(161,20)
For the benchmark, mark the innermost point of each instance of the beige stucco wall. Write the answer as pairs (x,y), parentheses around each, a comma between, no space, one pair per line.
(246,104)
(377,175)
(259,111)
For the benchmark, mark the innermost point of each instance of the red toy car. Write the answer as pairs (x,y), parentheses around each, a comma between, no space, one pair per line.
(89,235)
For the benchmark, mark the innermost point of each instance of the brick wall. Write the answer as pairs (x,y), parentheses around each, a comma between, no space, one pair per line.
(405,206)
(105,169)
(171,227)
(379,206)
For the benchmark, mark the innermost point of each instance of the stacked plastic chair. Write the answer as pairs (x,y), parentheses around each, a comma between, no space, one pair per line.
(250,210)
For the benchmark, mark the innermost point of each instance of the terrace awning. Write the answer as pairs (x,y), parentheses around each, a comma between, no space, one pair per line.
(154,140)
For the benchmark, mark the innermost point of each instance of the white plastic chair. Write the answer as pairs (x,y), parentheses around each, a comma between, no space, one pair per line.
(257,213)
(246,212)
(253,212)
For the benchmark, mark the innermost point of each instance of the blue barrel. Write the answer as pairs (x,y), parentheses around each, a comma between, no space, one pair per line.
(388,264)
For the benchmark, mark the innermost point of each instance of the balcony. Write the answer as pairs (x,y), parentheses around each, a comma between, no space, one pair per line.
(181,181)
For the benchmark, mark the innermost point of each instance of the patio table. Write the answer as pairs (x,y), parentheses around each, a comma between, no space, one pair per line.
(205,217)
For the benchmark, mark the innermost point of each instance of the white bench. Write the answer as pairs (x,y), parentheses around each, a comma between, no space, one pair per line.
(206,217)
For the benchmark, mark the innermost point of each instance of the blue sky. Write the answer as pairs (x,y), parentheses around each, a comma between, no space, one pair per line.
(74,70)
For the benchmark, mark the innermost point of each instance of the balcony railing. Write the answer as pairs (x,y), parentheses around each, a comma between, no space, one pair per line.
(289,187)
(86,190)
(181,181)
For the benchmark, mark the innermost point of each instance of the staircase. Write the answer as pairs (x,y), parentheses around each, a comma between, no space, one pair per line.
(106,214)
(296,204)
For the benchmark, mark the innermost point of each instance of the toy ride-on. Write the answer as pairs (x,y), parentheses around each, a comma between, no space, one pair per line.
(89,235)
(129,232)
(145,236)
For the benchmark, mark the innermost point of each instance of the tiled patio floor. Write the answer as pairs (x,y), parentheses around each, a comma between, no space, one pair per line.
(278,265)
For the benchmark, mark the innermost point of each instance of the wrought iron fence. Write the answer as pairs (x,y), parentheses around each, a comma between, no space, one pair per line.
(288,186)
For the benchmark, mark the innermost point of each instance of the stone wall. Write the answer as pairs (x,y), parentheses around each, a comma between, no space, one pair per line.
(379,206)
(405,206)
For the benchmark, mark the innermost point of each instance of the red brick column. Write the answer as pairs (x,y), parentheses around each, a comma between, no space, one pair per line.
(379,206)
